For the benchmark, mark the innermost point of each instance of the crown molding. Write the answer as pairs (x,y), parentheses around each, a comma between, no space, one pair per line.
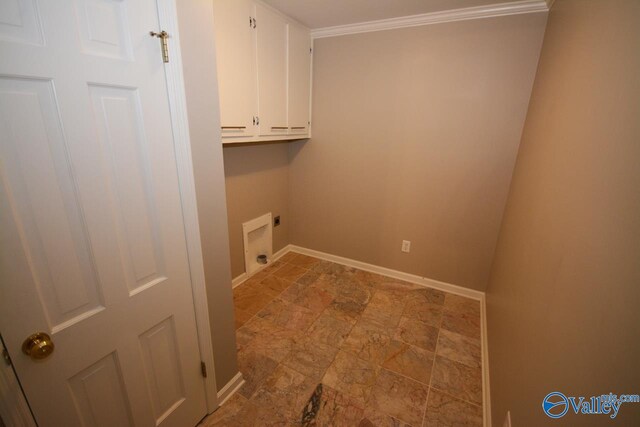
(489,11)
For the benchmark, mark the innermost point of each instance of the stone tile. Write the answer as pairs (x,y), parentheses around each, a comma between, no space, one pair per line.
(293,292)
(242,317)
(330,268)
(417,333)
(330,408)
(304,261)
(352,376)
(251,299)
(296,317)
(367,341)
(408,360)
(327,283)
(374,418)
(368,279)
(429,295)
(400,397)
(464,324)
(426,312)
(385,310)
(286,391)
(346,309)
(275,343)
(399,286)
(289,272)
(248,331)
(288,257)
(255,369)
(310,358)
(445,411)
(266,416)
(308,278)
(351,289)
(314,298)
(227,413)
(270,268)
(458,304)
(272,310)
(275,284)
(457,380)
(329,330)
(459,348)
(387,301)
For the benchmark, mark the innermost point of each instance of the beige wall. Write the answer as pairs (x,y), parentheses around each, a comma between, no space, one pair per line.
(564,295)
(257,180)
(415,134)
(195,19)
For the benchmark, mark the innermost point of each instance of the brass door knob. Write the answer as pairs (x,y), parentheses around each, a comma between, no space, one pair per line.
(38,346)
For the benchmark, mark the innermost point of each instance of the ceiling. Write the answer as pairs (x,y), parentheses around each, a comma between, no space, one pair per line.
(328,13)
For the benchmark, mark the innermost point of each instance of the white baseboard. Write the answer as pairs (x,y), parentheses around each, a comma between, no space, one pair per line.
(486,392)
(230,388)
(407,277)
(241,278)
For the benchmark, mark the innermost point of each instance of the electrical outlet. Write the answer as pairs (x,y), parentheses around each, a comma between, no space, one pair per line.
(276,221)
(406,246)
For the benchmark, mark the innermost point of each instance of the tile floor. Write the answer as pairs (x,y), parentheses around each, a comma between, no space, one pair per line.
(321,344)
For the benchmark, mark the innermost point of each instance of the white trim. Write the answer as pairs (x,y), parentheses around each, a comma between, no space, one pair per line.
(241,278)
(14,409)
(488,11)
(230,388)
(168,20)
(418,280)
(486,393)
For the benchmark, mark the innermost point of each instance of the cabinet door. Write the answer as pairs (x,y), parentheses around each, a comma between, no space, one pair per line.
(236,63)
(299,79)
(272,71)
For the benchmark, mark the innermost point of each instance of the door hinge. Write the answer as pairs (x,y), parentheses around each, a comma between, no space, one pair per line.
(163,36)
(310,50)
(203,369)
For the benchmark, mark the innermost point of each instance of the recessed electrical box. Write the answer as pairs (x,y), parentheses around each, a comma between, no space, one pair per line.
(276,221)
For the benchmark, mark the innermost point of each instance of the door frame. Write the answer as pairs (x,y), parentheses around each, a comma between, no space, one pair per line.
(168,20)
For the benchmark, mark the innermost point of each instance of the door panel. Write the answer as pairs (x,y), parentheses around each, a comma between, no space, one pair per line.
(236,64)
(100,394)
(299,79)
(272,71)
(92,245)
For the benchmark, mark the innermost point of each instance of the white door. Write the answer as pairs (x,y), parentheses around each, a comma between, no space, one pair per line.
(236,62)
(272,71)
(299,54)
(92,242)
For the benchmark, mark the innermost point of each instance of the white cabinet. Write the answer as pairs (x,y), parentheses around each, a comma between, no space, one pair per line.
(264,72)
(236,63)
(299,79)
(271,33)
